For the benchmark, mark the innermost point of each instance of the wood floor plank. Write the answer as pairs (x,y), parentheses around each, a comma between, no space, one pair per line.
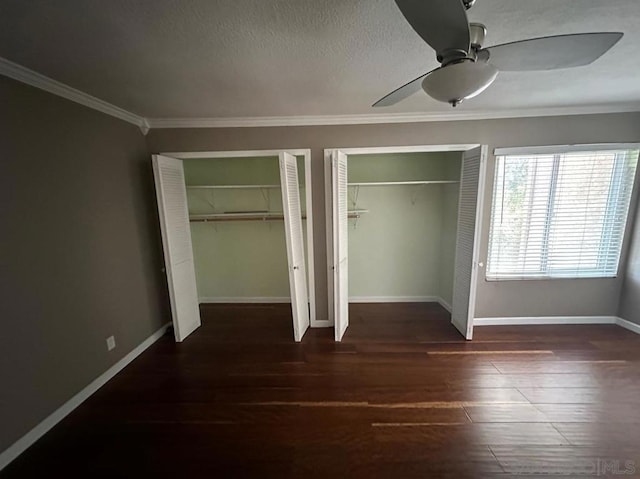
(559,367)
(568,380)
(399,415)
(498,434)
(567,461)
(600,433)
(594,395)
(497,413)
(625,413)
(403,396)
(446,395)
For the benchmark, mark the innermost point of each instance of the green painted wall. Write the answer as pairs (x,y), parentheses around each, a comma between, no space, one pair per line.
(404,167)
(405,245)
(239,259)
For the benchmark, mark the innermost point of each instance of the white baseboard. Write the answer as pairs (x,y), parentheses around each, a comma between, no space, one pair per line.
(245,299)
(59,414)
(394,299)
(533,320)
(514,321)
(445,305)
(628,325)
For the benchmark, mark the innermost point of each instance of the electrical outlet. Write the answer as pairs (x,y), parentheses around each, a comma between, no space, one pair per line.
(111,343)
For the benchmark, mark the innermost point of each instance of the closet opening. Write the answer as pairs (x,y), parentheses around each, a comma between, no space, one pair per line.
(402,224)
(244,220)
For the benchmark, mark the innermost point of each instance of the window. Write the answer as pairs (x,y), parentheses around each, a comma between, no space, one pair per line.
(560,215)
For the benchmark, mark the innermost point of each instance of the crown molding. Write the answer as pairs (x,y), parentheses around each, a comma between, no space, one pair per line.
(30,77)
(274,121)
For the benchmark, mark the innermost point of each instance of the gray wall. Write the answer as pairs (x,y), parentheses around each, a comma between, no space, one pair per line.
(630,297)
(396,250)
(521,298)
(81,252)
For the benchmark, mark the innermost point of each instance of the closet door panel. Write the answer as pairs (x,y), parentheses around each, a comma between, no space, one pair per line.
(340,243)
(328,188)
(171,194)
(295,244)
(468,238)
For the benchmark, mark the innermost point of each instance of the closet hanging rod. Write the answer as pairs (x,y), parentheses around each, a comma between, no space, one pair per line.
(231,187)
(238,218)
(400,183)
(353,214)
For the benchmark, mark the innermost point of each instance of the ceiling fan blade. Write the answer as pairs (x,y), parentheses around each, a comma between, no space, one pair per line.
(399,94)
(550,53)
(442,24)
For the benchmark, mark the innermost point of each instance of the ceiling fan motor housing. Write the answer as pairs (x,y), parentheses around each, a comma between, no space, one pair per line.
(477,35)
(477,32)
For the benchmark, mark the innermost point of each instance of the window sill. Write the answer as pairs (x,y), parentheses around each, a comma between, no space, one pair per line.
(495,279)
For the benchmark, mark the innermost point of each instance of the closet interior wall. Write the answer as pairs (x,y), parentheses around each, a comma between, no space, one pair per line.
(239,251)
(402,248)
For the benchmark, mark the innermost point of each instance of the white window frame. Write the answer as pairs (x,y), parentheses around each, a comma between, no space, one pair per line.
(557,151)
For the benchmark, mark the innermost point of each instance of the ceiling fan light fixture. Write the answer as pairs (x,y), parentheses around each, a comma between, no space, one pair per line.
(459,81)
(468,67)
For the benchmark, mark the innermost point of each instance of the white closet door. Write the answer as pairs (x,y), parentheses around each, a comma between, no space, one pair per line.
(295,244)
(340,243)
(171,194)
(468,239)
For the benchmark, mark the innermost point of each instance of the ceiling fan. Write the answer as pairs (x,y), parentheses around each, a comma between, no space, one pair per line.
(467,69)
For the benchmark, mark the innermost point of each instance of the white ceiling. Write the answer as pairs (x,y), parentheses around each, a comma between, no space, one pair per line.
(256,58)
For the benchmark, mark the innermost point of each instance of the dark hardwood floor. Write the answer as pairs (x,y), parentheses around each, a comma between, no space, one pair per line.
(402,396)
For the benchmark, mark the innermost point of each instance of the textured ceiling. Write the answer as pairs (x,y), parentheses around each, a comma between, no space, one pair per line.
(251,58)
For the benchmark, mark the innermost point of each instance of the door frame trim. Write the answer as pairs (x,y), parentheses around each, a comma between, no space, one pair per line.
(306,152)
(462,147)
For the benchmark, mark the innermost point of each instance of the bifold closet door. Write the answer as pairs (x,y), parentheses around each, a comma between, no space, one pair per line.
(295,244)
(171,194)
(340,243)
(468,238)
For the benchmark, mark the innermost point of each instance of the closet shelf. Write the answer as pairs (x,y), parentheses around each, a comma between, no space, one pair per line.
(255,216)
(230,187)
(369,183)
(400,183)
(233,187)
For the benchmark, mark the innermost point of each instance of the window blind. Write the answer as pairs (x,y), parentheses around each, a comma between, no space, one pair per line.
(560,215)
